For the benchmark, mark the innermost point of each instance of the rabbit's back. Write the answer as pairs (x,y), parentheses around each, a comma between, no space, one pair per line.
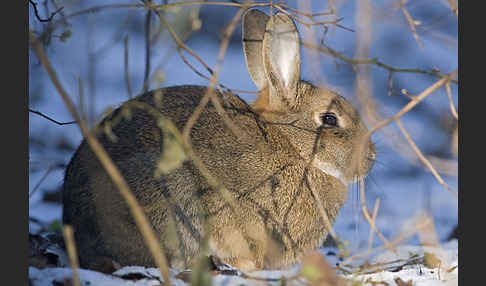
(135,143)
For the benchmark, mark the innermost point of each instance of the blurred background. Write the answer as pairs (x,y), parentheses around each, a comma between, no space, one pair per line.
(95,46)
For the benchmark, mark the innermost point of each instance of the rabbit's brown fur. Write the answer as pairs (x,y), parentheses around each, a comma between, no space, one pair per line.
(269,171)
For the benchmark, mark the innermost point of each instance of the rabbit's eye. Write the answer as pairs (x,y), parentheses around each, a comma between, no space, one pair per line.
(328,120)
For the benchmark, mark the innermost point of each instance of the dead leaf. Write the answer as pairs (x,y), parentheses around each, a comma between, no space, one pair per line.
(318,271)
(400,282)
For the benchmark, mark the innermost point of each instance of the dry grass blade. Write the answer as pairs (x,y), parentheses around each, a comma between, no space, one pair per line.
(373,218)
(394,242)
(135,209)
(423,159)
(71,250)
(368,218)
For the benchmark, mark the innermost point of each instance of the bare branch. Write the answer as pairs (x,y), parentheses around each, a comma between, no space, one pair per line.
(50,119)
(36,12)
(146,82)
(411,22)
(127,70)
(48,171)
(423,159)
(330,51)
(373,219)
(413,103)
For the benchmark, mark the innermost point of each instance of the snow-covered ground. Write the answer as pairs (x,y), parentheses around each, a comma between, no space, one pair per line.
(387,274)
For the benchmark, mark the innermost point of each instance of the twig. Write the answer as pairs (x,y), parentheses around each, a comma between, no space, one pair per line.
(375,61)
(184,59)
(321,209)
(146,82)
(135,208)
(331,7)
(454,9)
(210,90)
(423,159)
(411,22)
(366,214)
(48,171)
(50,119)
(412,103)
(451,103)
(82,105)
(71,250)
(127,70)
(36,12)
(390,83)
(373,218)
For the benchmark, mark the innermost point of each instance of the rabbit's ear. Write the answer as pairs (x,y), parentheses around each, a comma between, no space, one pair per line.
(281,59)
(254,23)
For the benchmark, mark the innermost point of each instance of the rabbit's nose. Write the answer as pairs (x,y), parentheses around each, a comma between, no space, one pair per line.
(372,155)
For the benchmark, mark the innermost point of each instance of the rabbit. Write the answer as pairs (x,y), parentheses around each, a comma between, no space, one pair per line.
(297,138)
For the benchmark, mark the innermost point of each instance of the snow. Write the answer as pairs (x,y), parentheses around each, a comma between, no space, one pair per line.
(446,274)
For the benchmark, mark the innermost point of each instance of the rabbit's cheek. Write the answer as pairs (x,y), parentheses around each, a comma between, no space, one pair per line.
(331,170)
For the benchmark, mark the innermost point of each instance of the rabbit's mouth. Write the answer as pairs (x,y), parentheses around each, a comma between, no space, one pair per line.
(331,171)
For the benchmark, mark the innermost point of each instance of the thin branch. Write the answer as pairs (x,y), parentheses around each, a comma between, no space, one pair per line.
(416,100)
(36,12)
(413,103)
(50,119)
(451,103)
(48,171)
(373,218)
(82,105)
(146,82)
(367,216)
(321,209)
(306,178)
(454,9)
(71,250)
(210,91)
(423,159)
(136,210)
(127,70)
(390,83)
(375,61)
(411,22)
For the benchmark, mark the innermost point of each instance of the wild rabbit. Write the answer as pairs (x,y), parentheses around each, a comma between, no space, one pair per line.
(296,137)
